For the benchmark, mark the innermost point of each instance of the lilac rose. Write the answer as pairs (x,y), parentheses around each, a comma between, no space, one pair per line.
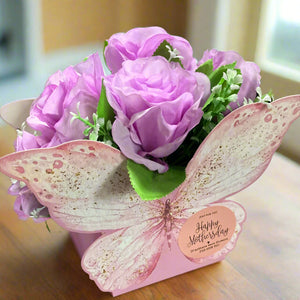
(25,141)
(75,88)
(250,72)
(50,116)
(26,204)
(156,104)
(142,42)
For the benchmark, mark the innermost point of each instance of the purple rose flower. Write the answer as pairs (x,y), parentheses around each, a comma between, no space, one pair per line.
(25,141)
(26,204)
(50,113)
(156,104)
(250,72)
(142,42)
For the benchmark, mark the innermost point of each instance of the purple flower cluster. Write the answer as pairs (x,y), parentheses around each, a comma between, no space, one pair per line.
(156,101)
(77,87)
(250,72)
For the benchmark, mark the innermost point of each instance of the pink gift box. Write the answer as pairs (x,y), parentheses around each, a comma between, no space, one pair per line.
(172,261)
(126,243)
(165,269)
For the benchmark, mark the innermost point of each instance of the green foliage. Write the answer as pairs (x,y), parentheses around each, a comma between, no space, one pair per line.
(104,47)
(261,98)
(104,110)
(47,226)
(151,185)
(100,129)
(216,76)
(225,84)
(206,68)
(166,50)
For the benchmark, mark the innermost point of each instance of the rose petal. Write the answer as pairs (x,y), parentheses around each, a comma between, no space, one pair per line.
(142,42)
(121,136)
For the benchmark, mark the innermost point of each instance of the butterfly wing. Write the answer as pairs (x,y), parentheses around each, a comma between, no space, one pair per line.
(233,156)
(86,187)
(240,217)
(125,257)
(236,152)
(84,184)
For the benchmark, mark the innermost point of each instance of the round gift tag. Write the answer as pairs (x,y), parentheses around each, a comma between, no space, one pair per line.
(207,232)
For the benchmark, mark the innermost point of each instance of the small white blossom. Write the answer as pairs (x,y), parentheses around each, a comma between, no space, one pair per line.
(21,183)
(238,79)
(216,89)
(19,132)
(99,121)
(263,99)
(74,117)
(22,129)
(233,78)
(233,97)
(229,75)
(173,53)
(77,106)
(36,213)
(13,181)
(266,99)
(247,101)
(259,92)
(234,87)
(23,126)
(108,125)
(108,142)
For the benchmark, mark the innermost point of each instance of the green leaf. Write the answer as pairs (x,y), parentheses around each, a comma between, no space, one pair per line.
(217,74)
(104,110)
(47,226)
(206,68)
(219,108)
(163,51)
(207,116)
(93,136)
(209,126)
(208,101)
(151,185)
(87,131)
(220,117)
(104,46)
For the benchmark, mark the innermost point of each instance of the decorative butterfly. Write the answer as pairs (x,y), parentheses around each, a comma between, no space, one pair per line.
(86,187)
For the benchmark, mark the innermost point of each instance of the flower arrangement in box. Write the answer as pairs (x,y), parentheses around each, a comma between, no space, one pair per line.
(138,163)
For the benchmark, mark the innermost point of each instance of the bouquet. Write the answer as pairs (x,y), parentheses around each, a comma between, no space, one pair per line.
(141,152)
